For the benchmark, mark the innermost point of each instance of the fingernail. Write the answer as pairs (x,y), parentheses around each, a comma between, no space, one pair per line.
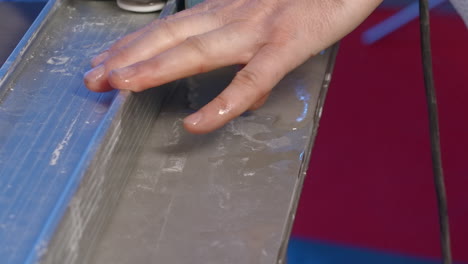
(100,58)
(124,74)
(193,119)
(95,74)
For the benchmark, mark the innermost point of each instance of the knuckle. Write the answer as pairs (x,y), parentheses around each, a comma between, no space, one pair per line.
(222,17)
(122,42)
(118,56)
(249,82)
(197,44)
(119,43)
(165,27)
(219,18)
(248,79)
(127,39)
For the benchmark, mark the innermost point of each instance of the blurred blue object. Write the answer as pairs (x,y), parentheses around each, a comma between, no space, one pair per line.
(25,1)
(304,251)
(395,22)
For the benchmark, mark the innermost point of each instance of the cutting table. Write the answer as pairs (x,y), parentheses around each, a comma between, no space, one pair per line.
(114,178)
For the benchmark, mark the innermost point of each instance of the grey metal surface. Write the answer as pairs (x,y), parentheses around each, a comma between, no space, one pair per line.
(56,135)
(106,176)
(226,197)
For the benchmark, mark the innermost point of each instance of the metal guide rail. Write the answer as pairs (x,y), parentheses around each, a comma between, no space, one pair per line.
(114,178)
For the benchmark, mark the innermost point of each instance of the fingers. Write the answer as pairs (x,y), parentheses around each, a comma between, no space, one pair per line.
(197,54)
(251,85)
(132,36)
(217,33)
(117,45)
(143,45)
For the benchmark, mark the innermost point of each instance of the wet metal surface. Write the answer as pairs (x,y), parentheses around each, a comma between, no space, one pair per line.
(66,155)
(226,197)
(52,128)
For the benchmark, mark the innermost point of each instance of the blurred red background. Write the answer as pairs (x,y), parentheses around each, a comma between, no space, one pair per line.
(370,179)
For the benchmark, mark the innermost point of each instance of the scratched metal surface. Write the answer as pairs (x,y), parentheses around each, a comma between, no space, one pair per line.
(226,197)
(52,129)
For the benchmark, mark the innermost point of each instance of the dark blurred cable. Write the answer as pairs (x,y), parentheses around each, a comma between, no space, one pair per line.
(434,131)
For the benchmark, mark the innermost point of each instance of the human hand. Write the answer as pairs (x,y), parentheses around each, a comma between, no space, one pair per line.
(271,37)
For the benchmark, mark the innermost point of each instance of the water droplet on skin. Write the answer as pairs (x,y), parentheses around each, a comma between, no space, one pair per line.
(226,110)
